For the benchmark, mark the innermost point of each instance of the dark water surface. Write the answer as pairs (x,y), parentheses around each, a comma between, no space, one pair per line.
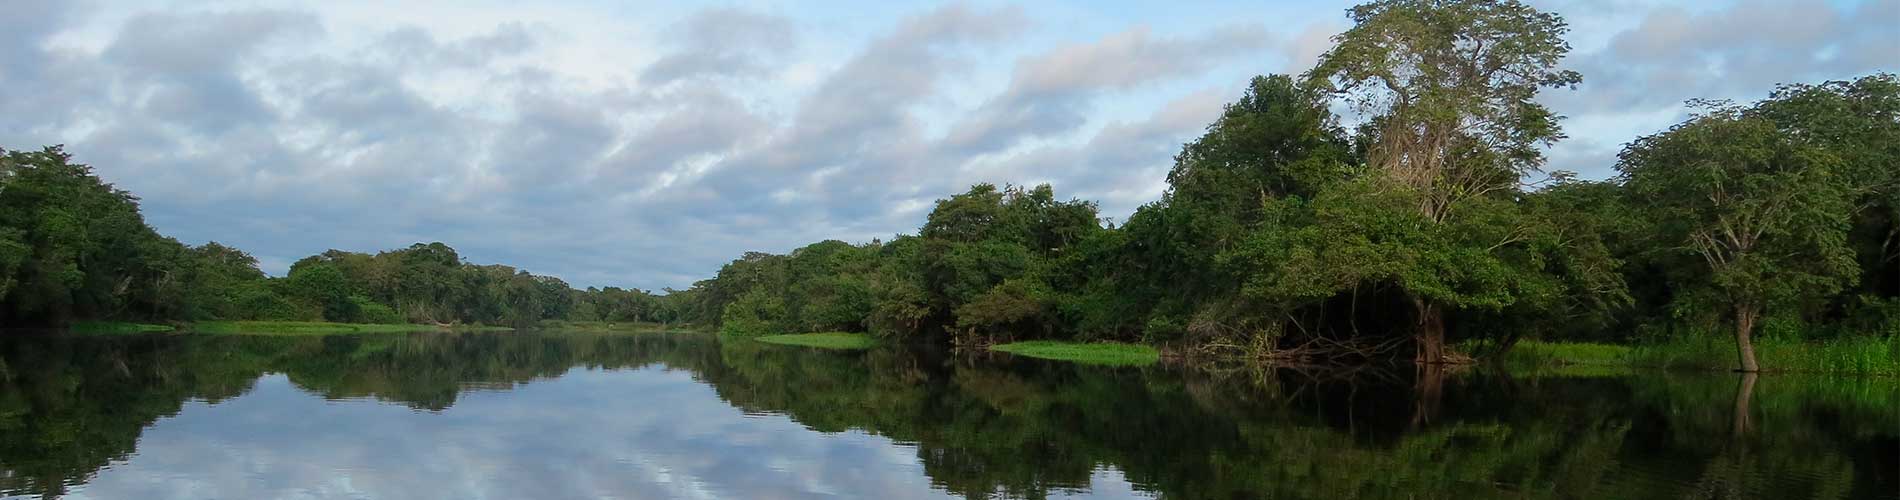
(541,415)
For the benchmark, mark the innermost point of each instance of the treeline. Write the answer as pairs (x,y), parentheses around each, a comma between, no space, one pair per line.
(1283,234)
(73,247)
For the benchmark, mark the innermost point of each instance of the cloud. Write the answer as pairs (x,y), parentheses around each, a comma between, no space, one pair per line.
(677,440)
(1049,93)
(413,45)
(1122,166)
(63,88)
(854,138)
(703,122)
(1743,50)
(723,42)
(1133,57)
(1636,81)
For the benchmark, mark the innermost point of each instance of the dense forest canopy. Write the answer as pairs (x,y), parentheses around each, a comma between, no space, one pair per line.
(1283,233)
(72,247)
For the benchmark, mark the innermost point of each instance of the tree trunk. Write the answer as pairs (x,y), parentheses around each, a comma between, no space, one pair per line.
(1745,316)
(1744,393)
(1430,333)
(1428,394)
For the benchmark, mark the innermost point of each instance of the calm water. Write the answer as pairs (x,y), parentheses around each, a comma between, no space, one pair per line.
(686,416)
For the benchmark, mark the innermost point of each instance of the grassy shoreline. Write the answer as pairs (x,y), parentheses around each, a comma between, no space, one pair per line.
(1855,355)
(320,328)
(116,327)
(827,340)
(1850,355)
(1111,354)
(325,327)
(606,327)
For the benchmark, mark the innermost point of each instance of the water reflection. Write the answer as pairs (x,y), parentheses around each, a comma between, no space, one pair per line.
(686,416)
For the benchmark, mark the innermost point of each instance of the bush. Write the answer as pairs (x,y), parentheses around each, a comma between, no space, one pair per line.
(1163,328)
(261,303)
(755,313)
(370,311)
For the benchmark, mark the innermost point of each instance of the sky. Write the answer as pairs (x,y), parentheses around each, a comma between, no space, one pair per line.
(639,145)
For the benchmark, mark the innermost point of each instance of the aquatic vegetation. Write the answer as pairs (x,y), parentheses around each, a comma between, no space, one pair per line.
(1846,355)
(1856,355)
(827,340)
(104,327)
(1099,353)
(1536,353)
(605,326)
(322,328)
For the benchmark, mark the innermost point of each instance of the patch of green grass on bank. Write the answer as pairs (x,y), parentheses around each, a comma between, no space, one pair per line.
(1571,371)
(1853,355)
(1532,352)
(321,328)
(604,327)
(1085,353)
(827,340)
(1857,355)
(110,327)
(478,328)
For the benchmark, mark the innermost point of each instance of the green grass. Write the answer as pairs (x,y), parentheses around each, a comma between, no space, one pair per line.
(108,327)
(828,340)
(1085,353)
(1854,355)
(604,327)
(320,328)
(1567,353)
(1864,355)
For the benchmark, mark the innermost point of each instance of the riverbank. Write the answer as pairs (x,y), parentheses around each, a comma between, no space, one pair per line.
(607,327)
(826,340)
(268,328)
(322,328)
(1853,355)
(1085,353)
(112,327)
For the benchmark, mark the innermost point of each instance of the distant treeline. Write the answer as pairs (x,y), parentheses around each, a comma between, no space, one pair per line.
(1284,235)
(72,247)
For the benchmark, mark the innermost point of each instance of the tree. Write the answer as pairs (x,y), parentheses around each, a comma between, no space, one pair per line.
(221,282)
(320,287)
(1767,212)
(1858,122)
(1448,89)
(982,252)
(72,246)
(1277,144)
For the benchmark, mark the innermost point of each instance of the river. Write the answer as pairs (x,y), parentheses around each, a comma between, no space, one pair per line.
(684,415)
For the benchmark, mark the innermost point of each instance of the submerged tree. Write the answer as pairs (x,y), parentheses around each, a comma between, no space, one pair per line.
(1766,212)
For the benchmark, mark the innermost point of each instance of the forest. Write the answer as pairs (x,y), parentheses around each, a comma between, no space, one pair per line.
(1420,224)
(73,247)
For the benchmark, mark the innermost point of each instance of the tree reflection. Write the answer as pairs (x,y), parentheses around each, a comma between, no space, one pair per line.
(1026,429)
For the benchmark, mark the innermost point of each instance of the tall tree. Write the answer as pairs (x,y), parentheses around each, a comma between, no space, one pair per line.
(1767,212)
(1449,91)
(1278,143)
